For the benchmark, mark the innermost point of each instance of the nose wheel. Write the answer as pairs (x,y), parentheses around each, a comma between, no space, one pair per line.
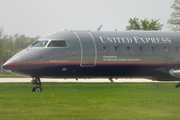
(36,81)
(37,89)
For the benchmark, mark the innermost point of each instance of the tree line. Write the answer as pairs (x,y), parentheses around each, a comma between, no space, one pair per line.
(173,21)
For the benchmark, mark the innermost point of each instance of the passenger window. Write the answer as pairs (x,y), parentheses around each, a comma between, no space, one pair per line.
(166,49)
(153,49)
(128,48)
(177,48)
(105,48)
(117,48)
(141,49)
(57,43)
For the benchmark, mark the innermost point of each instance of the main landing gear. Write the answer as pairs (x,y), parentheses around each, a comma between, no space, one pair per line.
(36,81)
(111,79)
(178,85)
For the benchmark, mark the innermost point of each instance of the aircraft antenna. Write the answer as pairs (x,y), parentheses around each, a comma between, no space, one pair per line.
(99,28)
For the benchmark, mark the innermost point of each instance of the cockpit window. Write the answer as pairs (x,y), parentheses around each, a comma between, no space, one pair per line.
(40,44)
(56,43)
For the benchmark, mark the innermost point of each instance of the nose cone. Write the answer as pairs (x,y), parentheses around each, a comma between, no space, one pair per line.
(11,65)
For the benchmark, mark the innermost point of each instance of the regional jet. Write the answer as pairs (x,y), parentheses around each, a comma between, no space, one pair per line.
(100,54)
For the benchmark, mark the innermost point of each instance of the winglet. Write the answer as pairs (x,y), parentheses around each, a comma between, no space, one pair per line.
(99,28)
(175,29)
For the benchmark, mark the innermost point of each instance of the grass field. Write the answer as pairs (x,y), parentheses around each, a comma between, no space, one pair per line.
(86,101)
(10,75)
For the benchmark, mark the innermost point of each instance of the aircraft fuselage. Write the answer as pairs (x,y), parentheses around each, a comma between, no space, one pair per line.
(101,54)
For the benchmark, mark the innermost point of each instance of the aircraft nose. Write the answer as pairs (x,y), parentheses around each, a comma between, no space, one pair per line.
(11,65)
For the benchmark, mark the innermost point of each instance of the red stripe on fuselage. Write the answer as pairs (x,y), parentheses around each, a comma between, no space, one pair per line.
(14,64)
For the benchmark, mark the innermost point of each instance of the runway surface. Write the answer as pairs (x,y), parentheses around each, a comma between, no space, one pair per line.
(6,80)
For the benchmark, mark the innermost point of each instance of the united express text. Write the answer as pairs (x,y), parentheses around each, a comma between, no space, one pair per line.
(105,39)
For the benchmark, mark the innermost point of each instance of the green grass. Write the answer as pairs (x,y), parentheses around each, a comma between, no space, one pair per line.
(11,76)
(90,101)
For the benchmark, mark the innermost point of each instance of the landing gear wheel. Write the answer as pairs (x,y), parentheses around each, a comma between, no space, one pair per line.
(36,89)
(37,82)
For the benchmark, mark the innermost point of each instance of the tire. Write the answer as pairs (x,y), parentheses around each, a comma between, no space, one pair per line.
(34,89)
(38,89)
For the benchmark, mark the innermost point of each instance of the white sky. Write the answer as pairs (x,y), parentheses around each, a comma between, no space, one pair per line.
(39,17)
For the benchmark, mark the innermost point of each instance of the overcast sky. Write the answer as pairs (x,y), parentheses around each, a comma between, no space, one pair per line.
(40,17)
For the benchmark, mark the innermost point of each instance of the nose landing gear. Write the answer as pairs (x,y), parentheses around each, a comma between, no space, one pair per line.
(36,81)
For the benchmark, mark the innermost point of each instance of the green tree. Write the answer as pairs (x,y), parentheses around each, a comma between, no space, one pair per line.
(145,24)
(1,32)
(6,55)
(175,16)
(1,44)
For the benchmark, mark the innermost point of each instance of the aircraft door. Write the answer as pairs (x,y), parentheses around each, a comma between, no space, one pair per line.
(88,49)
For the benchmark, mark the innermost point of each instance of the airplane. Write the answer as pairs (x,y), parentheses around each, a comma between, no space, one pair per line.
(77,54)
